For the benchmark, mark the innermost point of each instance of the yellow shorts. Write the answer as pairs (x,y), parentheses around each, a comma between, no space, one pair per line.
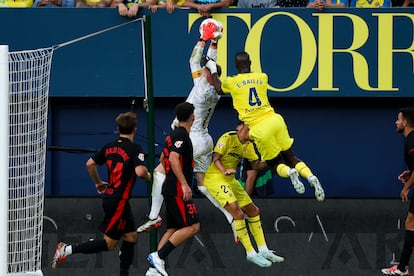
(226,190)
(271,136)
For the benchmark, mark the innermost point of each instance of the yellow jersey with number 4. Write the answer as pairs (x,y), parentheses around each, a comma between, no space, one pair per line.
(249,93)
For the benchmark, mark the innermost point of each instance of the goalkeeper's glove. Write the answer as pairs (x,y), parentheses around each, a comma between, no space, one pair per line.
(209,31)
(212,66)
(217,35)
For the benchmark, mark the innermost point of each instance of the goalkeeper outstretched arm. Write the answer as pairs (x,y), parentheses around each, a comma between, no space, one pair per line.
(195,59)
(212,66)
(212,51)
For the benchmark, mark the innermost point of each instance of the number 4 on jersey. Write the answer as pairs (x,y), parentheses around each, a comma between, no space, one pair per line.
(254,98)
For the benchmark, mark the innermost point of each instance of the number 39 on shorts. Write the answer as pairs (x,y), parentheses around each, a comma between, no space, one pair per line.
(191,208)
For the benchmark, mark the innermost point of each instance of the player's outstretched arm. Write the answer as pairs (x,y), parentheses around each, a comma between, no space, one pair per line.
(196,56)
(212,66)
(212,51)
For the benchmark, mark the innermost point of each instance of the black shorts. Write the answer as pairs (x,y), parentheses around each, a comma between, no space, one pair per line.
(118,218)
(180,213)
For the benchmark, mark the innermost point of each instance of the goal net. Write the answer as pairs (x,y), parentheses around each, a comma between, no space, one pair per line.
(29,74)
(23,129)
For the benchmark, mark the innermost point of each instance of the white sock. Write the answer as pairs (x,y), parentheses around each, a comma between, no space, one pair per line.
(205,192)
(156,196)
(262,248)
(251,253)
(68,250)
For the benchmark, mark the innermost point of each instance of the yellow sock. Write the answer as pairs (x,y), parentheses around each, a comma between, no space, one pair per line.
(303,170)
(282,170)
(255,227)
(243,235)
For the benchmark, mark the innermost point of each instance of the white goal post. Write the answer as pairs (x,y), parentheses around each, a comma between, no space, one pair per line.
(4,145)
(24,119)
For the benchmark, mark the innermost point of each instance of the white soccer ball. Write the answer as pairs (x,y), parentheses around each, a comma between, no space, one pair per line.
(218,33)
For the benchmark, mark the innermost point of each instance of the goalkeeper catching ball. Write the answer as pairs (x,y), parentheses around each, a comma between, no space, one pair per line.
(204,97)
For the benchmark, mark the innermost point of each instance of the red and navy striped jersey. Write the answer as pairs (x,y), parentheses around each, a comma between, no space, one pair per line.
(120,157)
(179,142)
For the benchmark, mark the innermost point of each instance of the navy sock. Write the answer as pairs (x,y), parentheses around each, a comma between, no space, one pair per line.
(407,250)
(126,254)
(166,250)
(90,247)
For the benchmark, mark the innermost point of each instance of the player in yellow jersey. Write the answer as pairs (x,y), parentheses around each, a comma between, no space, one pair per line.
(222,184)
(267,128)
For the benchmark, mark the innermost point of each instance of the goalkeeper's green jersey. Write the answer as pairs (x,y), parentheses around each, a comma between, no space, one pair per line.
(249,93)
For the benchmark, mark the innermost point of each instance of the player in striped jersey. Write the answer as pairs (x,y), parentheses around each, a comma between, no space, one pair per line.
(125,161)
